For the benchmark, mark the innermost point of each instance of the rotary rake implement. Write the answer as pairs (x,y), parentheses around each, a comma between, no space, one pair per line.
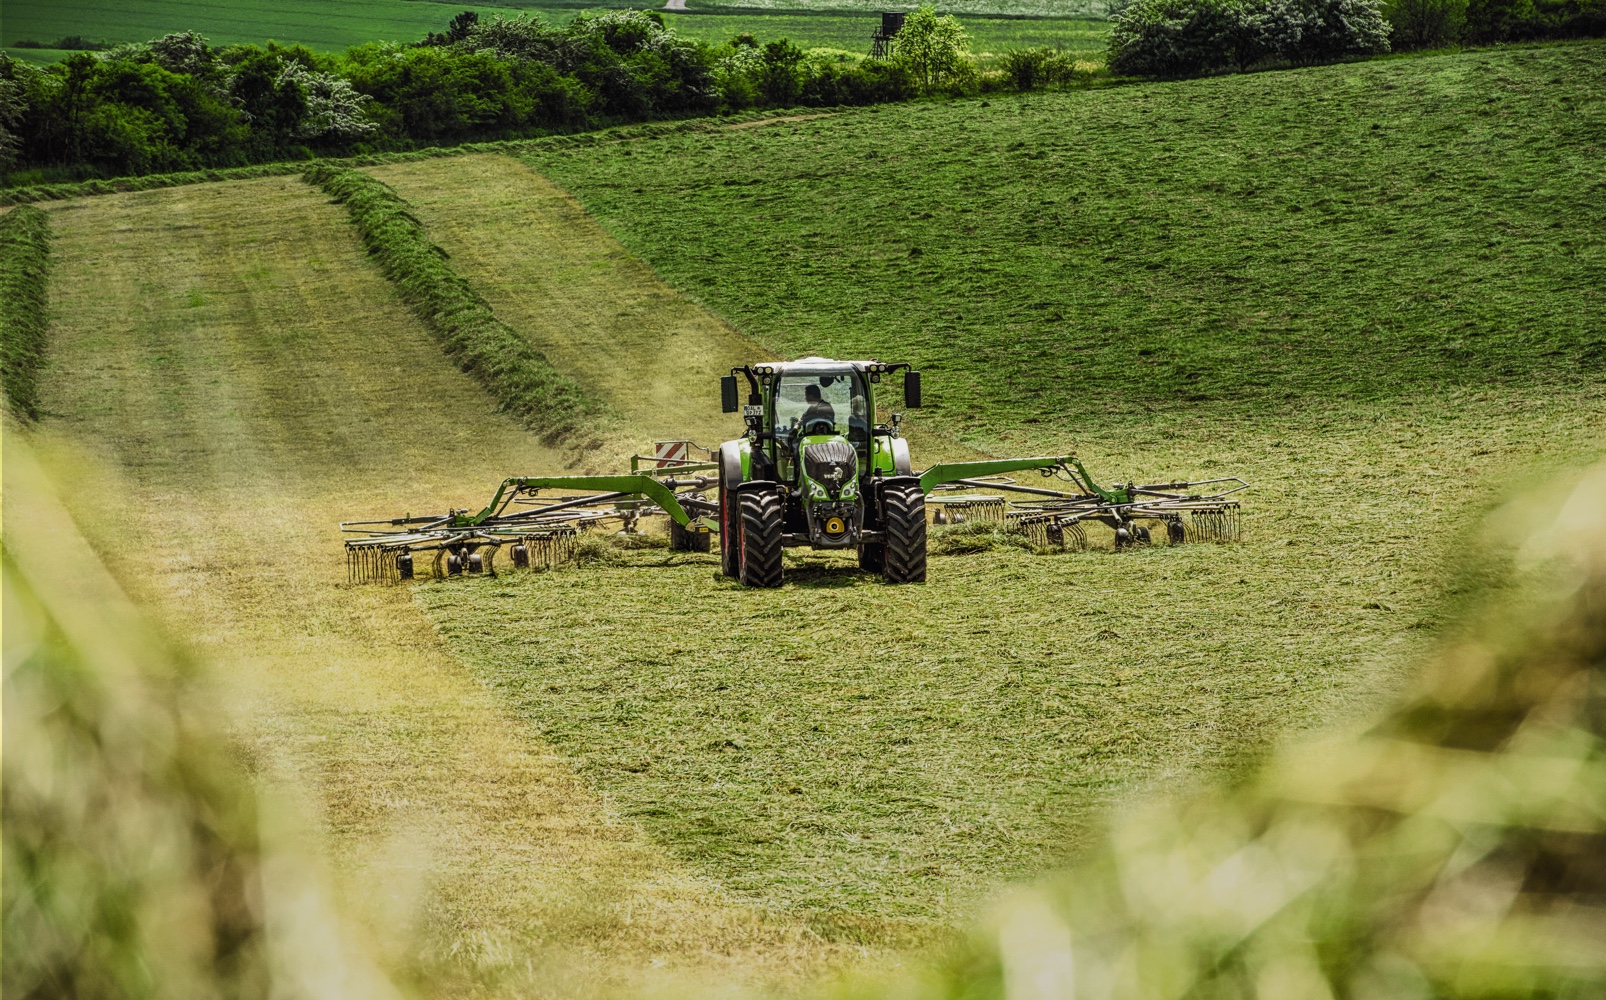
(1196,511)
(538,520)
(812,469)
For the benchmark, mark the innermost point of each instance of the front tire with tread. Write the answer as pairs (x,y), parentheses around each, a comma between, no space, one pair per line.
(762,515)
(904,510)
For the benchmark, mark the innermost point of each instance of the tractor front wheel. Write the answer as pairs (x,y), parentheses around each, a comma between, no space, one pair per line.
(904,510)
(762,522)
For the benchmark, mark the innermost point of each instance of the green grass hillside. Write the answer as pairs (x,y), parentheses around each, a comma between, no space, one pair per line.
(320,25)
(1373,290)
(1365,232)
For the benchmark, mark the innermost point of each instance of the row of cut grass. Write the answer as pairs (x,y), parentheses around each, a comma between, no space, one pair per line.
(24,258)
(518,377)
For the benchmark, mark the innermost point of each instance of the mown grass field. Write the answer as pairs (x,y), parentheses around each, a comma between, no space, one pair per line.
(1382,328)
(1257,244)
(1385,329)
(227,363)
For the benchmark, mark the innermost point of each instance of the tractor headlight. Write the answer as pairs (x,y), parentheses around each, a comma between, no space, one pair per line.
(818,491)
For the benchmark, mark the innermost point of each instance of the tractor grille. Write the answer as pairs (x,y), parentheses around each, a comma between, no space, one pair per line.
(820,459)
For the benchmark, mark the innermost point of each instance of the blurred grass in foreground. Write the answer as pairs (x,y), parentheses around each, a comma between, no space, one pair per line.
(1458,849)
(134,861)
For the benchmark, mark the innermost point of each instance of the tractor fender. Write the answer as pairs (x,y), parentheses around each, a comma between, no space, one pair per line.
(900,457)
(730,464)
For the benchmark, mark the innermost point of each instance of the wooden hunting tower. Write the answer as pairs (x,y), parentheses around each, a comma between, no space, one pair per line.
(881,41)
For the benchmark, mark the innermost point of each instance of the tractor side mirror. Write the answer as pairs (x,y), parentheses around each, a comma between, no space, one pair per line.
(911,389)
(727,394)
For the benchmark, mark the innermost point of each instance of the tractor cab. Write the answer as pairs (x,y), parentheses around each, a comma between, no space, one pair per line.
(820,412)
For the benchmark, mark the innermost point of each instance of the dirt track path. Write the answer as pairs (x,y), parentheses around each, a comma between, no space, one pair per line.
(249,377)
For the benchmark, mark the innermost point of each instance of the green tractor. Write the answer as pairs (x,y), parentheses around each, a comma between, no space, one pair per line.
(813,468)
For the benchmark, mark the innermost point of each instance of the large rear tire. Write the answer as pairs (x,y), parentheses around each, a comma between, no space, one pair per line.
(904,509)
(763,520)
(730,542)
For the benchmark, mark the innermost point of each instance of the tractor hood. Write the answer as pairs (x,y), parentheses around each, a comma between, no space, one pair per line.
(831,466)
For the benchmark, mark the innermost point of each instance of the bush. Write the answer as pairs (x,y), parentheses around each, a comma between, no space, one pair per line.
(829,84)
(778,77)
(1029,69)
(1177,38)
(1171,38)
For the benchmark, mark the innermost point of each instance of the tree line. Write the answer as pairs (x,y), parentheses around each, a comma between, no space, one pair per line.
(177,103)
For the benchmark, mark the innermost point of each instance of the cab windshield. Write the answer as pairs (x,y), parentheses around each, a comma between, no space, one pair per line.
(834,403)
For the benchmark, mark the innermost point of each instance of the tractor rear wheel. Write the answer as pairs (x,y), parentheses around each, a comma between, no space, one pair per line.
(762,516)
(730,542)
(904,510)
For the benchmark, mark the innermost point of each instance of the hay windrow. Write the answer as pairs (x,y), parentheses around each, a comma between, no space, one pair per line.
(24,260)
(522,381)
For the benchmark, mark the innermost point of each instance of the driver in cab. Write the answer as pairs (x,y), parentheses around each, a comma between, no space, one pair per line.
(818,409)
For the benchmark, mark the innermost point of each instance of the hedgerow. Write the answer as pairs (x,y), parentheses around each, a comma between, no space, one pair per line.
(1177,38)
(79,189)
(24,257)
(177,104)
(516,375)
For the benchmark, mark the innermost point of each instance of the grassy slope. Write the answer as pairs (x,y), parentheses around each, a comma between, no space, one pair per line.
(1365,231)
(551,273)
(1386,359)
(251,379)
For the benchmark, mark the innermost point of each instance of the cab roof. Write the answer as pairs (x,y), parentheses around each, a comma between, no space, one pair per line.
(815,365)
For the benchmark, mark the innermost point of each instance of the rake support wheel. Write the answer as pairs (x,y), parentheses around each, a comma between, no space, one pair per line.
(682,540)
(904,511)
(762,514)
(872,556)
